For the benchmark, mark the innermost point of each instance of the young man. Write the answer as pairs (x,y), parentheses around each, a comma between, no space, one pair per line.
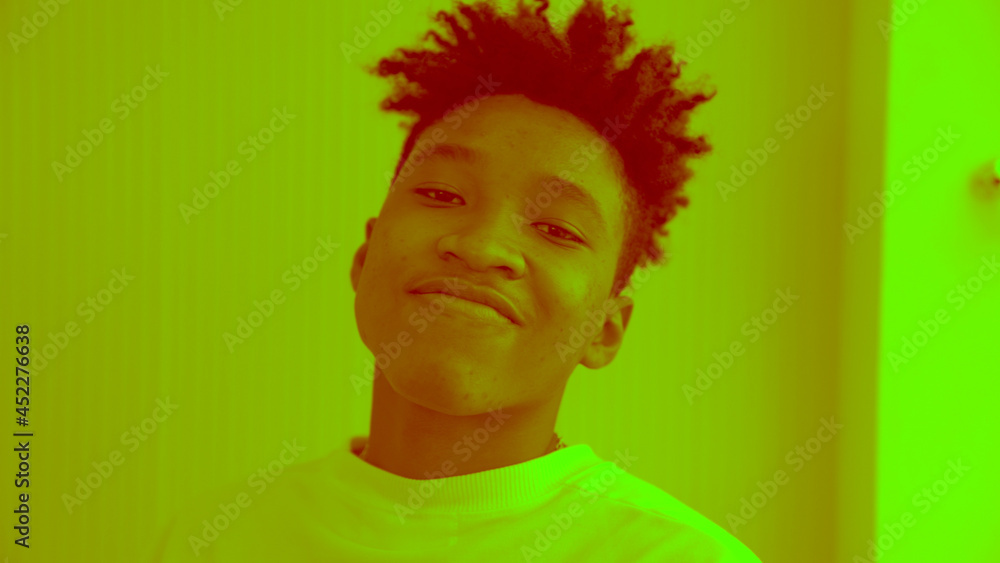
(536,175)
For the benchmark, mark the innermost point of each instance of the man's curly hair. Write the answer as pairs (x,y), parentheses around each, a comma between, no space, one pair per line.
(583,70)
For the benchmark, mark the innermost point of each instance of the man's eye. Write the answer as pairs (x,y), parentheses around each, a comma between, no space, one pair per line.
(562,233)
(447,196)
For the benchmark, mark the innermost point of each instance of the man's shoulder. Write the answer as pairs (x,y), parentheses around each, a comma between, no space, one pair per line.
(239,508)
(660,522)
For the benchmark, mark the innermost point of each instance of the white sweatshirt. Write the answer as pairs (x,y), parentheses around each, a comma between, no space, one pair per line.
(568,505)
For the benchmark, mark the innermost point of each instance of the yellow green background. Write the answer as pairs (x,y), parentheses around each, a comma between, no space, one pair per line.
(827,356)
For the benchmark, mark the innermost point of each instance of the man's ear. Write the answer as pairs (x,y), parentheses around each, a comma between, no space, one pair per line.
(605,344)
(360,254)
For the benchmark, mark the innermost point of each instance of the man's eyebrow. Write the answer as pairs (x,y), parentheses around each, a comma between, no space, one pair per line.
(578,195)
(449,151)
(565,188)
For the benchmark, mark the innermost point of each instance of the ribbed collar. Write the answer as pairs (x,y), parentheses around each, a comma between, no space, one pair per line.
(512,486)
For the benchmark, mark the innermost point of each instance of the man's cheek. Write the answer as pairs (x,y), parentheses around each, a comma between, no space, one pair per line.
(553,346)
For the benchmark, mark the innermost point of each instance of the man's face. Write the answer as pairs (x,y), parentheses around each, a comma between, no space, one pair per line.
(461,214)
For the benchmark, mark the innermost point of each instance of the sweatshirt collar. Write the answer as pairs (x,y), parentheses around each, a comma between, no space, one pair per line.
(529,482)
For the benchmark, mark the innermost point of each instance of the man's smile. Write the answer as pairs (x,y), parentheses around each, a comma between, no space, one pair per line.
(451,304)
(472,297)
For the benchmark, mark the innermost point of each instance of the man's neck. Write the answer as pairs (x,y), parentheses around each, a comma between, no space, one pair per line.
(415,442)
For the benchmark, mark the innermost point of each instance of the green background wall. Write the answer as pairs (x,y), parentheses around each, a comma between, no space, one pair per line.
(937,401)
(64,237)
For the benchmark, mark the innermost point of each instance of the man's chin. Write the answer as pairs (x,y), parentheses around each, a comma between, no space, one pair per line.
(452,398)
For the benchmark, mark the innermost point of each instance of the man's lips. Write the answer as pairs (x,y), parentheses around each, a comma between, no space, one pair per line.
(470,309)
(468,291)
